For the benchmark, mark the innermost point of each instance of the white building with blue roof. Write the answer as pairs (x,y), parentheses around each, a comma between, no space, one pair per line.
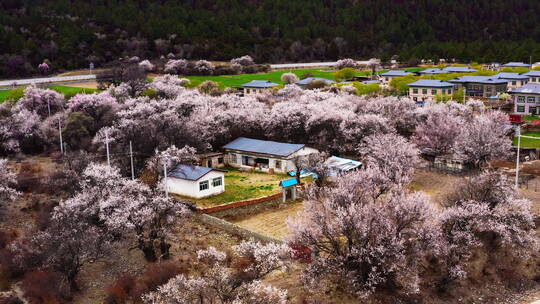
(264,155)
(481,86)
(459,69)
(428,89)
(514,64)
(515,80)
(258,86)
(526,99)
(386,77)
(534,76)
(195,181)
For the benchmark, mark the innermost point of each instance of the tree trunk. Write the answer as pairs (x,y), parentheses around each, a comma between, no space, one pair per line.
(165,247)
(148,250)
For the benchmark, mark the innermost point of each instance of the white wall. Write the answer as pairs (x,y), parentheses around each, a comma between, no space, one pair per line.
(286,163)
(191,188)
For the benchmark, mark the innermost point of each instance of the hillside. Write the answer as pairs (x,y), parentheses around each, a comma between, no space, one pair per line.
(72,33)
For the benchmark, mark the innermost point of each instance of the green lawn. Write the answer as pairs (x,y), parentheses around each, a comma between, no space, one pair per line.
(240,185)
(528,142)
(68,92)
(531,118)
(274,76)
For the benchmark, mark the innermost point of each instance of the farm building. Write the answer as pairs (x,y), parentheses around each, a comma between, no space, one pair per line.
(427,89)
(195,181)
(263,155)
(212,159)
(526,99)
(257,86)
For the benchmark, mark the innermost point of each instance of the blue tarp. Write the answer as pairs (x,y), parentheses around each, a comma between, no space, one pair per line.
(286,183)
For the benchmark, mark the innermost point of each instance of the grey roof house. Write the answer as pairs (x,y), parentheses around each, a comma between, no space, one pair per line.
(516,65)
(481,86)
(306,81)
(526,99)
(264,155)
(429,83)
(432,71)
(195,181)
(459,69)
(257,86)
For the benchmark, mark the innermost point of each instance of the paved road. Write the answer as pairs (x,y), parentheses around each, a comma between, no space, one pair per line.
(8,84)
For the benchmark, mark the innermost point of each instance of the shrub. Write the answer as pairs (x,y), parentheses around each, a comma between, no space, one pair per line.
(208,87)
(345,74)
(243,61)
(28,179)
(158,274)
(119,292)
(346,63)
(289,78)
(42,286)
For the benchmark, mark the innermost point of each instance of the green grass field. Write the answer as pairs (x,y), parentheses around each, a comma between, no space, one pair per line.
(240,185)
(528,142)
(274,76)
(67,91)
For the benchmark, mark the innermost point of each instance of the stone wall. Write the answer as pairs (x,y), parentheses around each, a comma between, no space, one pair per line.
(235,229)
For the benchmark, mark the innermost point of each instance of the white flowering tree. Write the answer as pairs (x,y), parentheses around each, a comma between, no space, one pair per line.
(8,180)
(221,283)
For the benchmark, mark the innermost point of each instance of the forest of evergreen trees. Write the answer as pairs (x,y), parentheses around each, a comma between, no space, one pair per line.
(72,33)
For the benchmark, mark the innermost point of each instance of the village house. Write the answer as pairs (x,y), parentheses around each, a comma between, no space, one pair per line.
(516,65)
(339,165)
(515,80)
(480,86)
(212,159)
(494,66)
(526,99)
(264,155)
(388,76)
(304,83)
(459,69)
(432,71)
(427,89)
(258,86)
(195,181)
(534,76)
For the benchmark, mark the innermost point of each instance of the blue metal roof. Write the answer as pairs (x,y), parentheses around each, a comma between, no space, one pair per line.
(342,164)
(479,79)
(516,64)
(189,172)
(308,80)
(510,76)
(370,81)
(396,73)
(430,83)
(529,88)
(259,84)
(459,69)
(432,71)
(532,73)
(263,146)
(286,183)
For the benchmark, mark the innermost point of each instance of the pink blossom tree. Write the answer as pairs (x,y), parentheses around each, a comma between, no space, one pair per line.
(168,86)
(392,154)
(485,213)
(8,180)
(485,138)
(203,67)
(438,134)
(346,63)
(220,283)
(362,241)
(179,66)
(146,65)
(101,107)
(41,101)
(243,61)
(289,78)
(44,68)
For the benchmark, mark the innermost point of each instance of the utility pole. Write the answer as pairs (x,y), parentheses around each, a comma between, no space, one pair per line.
(107,145)
(131,156)
(165,177)
(60,132)
(49,107)
(517,158)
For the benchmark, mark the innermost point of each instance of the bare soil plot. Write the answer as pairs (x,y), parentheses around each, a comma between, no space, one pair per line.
(271,222)
(434,183)
(86,84)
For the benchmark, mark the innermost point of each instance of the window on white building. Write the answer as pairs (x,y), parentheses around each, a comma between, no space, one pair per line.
(520,109)
(203,185)
(521,98)
(424,91)
(278,164)
(433,92)
(531,99)
(415,91)
(216,182)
